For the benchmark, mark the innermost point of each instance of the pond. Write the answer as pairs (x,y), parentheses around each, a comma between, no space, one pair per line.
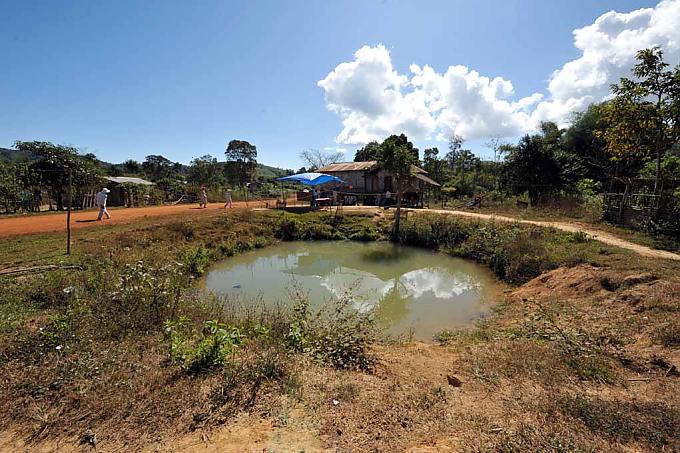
(411,289)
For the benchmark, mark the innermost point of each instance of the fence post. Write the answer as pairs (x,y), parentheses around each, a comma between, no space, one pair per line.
(68,214)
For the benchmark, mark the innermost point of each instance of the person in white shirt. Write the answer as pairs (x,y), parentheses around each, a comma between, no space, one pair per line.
(100,201)
(227,197)
(204,198)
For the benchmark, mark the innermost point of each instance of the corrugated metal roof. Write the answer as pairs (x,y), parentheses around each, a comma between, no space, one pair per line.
(129,180)
(426,179)
(348,166)
(358,166)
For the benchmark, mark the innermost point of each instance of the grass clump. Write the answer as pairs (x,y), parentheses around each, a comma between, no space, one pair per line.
(668,334)
(656,424)
(538,439)
(583,352)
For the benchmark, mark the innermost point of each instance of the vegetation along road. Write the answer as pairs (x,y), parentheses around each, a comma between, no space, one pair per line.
(598,235)
(20,225)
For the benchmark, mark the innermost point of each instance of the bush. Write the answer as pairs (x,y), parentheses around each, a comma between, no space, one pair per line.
(289,229)
(199,353)
(144,296)
(195,259)
(340,338)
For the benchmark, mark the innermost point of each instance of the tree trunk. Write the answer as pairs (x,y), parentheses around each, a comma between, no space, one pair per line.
(397,217)
(658,171)
(59,200)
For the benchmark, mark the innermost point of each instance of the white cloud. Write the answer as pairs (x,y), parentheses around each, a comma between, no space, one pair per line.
(374,100)
(608,49)
(337,149)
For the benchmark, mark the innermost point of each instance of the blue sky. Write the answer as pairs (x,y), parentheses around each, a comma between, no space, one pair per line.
(125,79)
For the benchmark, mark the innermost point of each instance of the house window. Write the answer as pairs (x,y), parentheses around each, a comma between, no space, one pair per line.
(388,184)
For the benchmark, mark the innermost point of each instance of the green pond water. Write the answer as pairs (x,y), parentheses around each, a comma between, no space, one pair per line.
(410,289)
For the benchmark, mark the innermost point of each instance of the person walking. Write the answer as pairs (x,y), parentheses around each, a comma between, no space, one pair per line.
(100,201)
(227,197)
(204,198)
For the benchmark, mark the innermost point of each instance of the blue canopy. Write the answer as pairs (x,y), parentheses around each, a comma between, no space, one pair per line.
(311,179)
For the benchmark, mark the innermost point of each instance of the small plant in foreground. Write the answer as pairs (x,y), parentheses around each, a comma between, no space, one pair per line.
(198,353)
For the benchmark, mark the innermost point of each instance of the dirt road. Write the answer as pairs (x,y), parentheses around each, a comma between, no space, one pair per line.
(46,223)
(602,236)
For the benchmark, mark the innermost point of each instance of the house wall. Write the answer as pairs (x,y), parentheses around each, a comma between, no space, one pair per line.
(353,178)
(374,182)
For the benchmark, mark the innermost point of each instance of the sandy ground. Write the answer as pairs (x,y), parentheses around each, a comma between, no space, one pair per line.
(45,223)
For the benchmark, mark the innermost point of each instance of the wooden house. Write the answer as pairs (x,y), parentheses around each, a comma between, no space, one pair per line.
(370,181)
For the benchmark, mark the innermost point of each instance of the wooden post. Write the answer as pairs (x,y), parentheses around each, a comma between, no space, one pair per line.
(68,214)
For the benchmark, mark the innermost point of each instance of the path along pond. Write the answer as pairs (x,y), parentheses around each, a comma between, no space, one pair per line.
(411,290)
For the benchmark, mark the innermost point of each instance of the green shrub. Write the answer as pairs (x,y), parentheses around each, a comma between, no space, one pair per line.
(199,353)
(196,259)
(143,297)
(288,229)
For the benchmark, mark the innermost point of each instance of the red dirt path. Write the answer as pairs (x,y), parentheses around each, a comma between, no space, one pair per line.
(45,223)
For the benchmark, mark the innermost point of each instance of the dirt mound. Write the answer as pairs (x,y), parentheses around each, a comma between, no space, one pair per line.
(660,295)
(566,283)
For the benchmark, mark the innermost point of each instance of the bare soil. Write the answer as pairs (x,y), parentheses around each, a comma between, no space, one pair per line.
(47,223)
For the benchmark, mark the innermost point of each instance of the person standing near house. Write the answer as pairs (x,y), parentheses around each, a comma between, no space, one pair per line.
(386,199)
(204,198)
(313,200)
(100,201)
(227,197)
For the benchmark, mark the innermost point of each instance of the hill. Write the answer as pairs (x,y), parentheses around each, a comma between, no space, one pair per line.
(13,155)
(266,172)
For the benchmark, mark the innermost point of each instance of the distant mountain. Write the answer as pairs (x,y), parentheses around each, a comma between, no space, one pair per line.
(13,155)
(264,172)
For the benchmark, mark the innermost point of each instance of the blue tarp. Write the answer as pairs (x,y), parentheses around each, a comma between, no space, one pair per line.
(311,179)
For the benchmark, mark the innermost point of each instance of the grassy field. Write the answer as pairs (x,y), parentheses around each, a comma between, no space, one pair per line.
(123,347)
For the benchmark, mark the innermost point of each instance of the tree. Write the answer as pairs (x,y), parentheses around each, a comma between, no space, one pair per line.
(498,145)
(53,162)
(532,167)
(315,159)
(582,141)
(157,167)
(643,119)
(241,165)
(205,170)
(369,152)
(432,164)
(455,152)
(398,157)
(131,166)
(16,177)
